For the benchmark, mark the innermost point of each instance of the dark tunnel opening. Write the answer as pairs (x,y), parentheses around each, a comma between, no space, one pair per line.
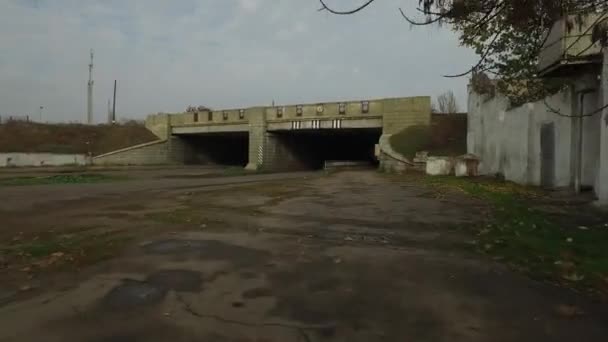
(314,148)
(230,149)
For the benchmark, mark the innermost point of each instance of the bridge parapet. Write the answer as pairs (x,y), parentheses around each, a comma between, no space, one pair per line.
(406,108)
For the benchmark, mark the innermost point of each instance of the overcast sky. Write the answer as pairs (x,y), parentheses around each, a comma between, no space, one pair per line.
(167,55)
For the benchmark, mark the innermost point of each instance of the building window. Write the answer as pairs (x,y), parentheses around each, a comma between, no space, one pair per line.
(210,116)
(241,114)
(299,110)
(225,115)
(195,116)
(320,109)
(365,107)
(342,108)
(279,112)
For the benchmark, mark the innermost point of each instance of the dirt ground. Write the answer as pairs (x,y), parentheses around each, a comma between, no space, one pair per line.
(347,256)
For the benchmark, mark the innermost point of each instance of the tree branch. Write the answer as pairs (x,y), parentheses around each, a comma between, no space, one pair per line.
(481,60)
(324,7)
(428,22)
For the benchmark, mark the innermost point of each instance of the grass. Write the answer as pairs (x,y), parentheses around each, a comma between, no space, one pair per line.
(59,179)
(411,140)
(19,136)
(51,249)
(557,248)
(420,138)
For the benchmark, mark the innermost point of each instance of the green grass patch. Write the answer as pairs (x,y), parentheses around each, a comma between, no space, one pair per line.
(52,249)
(59,179)
(548,246)
(420,138)
(411,140)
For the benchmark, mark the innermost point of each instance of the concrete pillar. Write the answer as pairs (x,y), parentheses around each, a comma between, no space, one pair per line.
(160,125)
(270,151)
(180,151)
(257,138)
(602,176)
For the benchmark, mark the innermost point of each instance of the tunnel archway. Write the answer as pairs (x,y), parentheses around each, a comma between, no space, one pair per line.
(313,148)
(229,149)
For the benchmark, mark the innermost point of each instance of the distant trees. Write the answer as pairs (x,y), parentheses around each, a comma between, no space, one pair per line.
(446,103)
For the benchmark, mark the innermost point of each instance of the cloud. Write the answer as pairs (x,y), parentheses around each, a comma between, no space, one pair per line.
(230,53)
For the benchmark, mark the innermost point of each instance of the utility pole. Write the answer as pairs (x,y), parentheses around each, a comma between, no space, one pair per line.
(114,105)
(90,92)
(40,114)
(110,112)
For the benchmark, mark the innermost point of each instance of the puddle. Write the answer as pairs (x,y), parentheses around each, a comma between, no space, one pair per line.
(134,293)
(177,280)
(131,294)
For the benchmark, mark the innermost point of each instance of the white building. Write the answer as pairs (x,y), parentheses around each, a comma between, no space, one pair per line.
(549,143)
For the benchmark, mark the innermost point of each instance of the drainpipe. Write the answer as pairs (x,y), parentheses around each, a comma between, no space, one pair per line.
(578,171)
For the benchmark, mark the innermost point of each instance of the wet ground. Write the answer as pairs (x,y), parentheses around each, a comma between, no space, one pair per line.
(349,256)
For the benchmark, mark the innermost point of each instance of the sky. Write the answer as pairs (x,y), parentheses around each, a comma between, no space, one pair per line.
(167,55)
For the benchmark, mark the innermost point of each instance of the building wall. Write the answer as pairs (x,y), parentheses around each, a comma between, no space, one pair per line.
(153,153)
(508,140)
(602,175)
(591,140)
(15,159)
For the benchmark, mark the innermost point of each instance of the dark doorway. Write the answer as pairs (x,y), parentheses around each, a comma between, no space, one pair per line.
(547,151)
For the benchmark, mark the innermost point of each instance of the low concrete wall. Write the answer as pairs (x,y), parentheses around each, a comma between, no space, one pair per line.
(152,153)
(41,159)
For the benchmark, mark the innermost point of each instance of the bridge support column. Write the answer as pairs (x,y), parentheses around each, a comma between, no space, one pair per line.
(270,151)
(257,138)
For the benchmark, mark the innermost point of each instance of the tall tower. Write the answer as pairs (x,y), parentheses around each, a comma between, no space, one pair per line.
(90,93)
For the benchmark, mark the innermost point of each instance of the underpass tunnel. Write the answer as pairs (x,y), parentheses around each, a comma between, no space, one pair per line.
(230,149)
(312,148)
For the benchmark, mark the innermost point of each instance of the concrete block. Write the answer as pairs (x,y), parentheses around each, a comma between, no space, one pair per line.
(466,166)
(439,166)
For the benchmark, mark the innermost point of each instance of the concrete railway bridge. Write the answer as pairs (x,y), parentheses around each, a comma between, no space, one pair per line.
(275,138)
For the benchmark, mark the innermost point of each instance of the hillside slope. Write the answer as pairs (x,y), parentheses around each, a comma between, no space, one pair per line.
(446,136)
(19,136)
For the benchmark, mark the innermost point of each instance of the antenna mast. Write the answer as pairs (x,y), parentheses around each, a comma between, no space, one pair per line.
(90,93)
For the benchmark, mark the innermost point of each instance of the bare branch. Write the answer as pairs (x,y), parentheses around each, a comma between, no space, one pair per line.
(481,60)
(555,111)
(324,7)
(428,22)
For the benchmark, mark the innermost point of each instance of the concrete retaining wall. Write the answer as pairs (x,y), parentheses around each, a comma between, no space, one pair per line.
(41,159)
(391,160)
(152,153)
